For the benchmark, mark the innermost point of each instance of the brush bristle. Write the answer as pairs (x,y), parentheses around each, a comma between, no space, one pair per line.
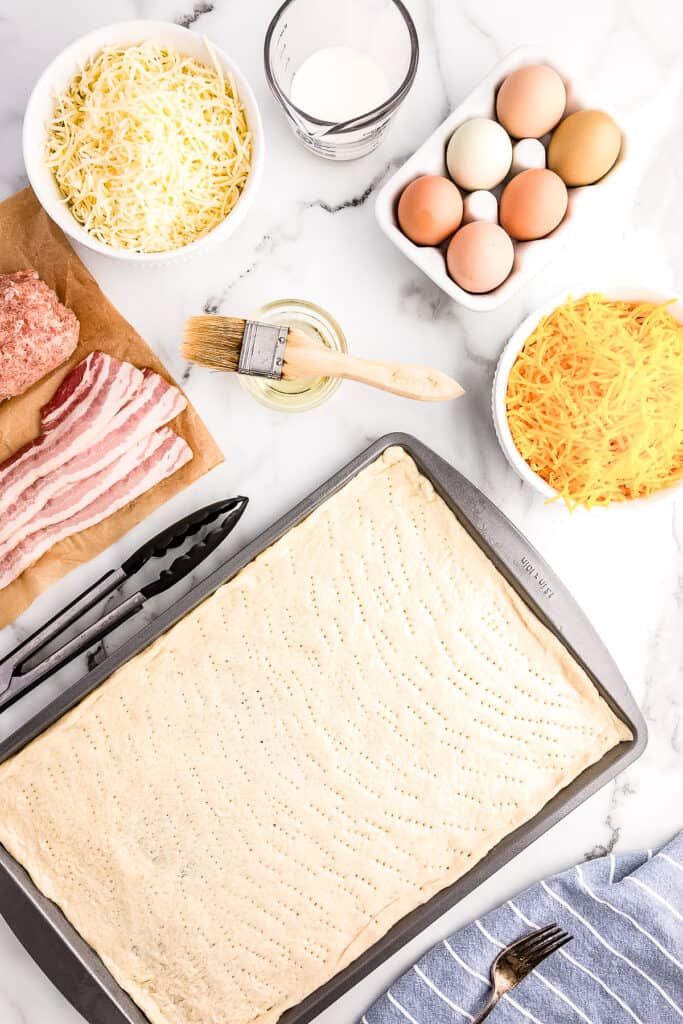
(214,341)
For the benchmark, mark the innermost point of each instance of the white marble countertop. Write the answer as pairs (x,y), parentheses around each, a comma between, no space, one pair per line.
(313,234)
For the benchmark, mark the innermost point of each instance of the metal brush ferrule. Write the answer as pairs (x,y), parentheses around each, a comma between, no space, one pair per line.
(263,350)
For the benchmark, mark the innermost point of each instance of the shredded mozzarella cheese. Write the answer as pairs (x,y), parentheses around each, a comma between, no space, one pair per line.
(595,400)
(150,148)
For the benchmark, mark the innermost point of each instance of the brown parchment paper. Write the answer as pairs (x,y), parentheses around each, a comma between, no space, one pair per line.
(29,239)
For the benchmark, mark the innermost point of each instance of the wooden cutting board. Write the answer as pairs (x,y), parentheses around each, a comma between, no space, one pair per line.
(29,239)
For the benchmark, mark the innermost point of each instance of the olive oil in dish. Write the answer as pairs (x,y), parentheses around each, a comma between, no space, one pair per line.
(301,394)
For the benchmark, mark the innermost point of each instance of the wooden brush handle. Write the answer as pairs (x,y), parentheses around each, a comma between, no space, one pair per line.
(305,357)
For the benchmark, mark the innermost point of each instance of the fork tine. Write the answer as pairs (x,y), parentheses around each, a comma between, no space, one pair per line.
(532,936)
(540,947)
(542,954)
(530,947)
(523,946)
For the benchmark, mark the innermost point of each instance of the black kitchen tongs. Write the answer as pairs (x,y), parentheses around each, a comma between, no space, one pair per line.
(13,683)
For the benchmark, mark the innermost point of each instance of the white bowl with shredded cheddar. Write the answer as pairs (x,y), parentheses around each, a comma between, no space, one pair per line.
(143,141)
(615,411)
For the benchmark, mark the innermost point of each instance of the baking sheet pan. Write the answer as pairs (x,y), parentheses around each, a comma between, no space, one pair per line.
(73,966)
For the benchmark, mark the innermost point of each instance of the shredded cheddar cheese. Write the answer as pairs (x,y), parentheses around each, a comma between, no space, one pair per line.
(595,400)
(150,148)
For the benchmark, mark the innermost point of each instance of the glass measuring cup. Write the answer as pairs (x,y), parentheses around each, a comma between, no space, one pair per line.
(381,29)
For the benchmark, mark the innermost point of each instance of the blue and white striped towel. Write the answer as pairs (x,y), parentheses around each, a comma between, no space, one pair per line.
(624,965)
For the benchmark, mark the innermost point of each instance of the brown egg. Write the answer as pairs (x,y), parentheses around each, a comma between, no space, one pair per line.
(532,204)
(480,256)
(531,101)
(584,147)
(430,209)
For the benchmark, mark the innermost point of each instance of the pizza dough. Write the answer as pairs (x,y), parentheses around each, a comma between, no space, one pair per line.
(334,736)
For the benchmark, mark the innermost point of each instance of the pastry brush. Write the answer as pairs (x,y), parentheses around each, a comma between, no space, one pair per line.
(265,350)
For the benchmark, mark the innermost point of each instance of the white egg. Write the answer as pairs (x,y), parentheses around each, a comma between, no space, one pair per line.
(527,155)
(479,154)
(480,205)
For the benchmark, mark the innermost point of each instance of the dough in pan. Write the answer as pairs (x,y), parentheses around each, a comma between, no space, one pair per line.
(334,736)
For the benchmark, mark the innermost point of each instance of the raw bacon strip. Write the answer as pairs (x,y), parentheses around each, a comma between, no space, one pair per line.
(87,376)
(72,389)
(155,403)
(108,384)
(85,379)
(70,500)
(76,386)
(173,453)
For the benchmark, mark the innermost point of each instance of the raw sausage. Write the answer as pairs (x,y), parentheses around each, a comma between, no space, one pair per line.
(37,332)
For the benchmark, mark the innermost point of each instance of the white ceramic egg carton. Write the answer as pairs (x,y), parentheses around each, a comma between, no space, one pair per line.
(584,203)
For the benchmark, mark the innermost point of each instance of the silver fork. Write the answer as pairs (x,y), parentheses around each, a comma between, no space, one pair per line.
(519,959)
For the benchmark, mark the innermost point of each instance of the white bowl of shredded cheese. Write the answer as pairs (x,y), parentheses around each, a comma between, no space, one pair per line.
(614,382)
(143,141)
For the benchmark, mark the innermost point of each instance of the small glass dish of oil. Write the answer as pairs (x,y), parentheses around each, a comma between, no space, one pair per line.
(308,392)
